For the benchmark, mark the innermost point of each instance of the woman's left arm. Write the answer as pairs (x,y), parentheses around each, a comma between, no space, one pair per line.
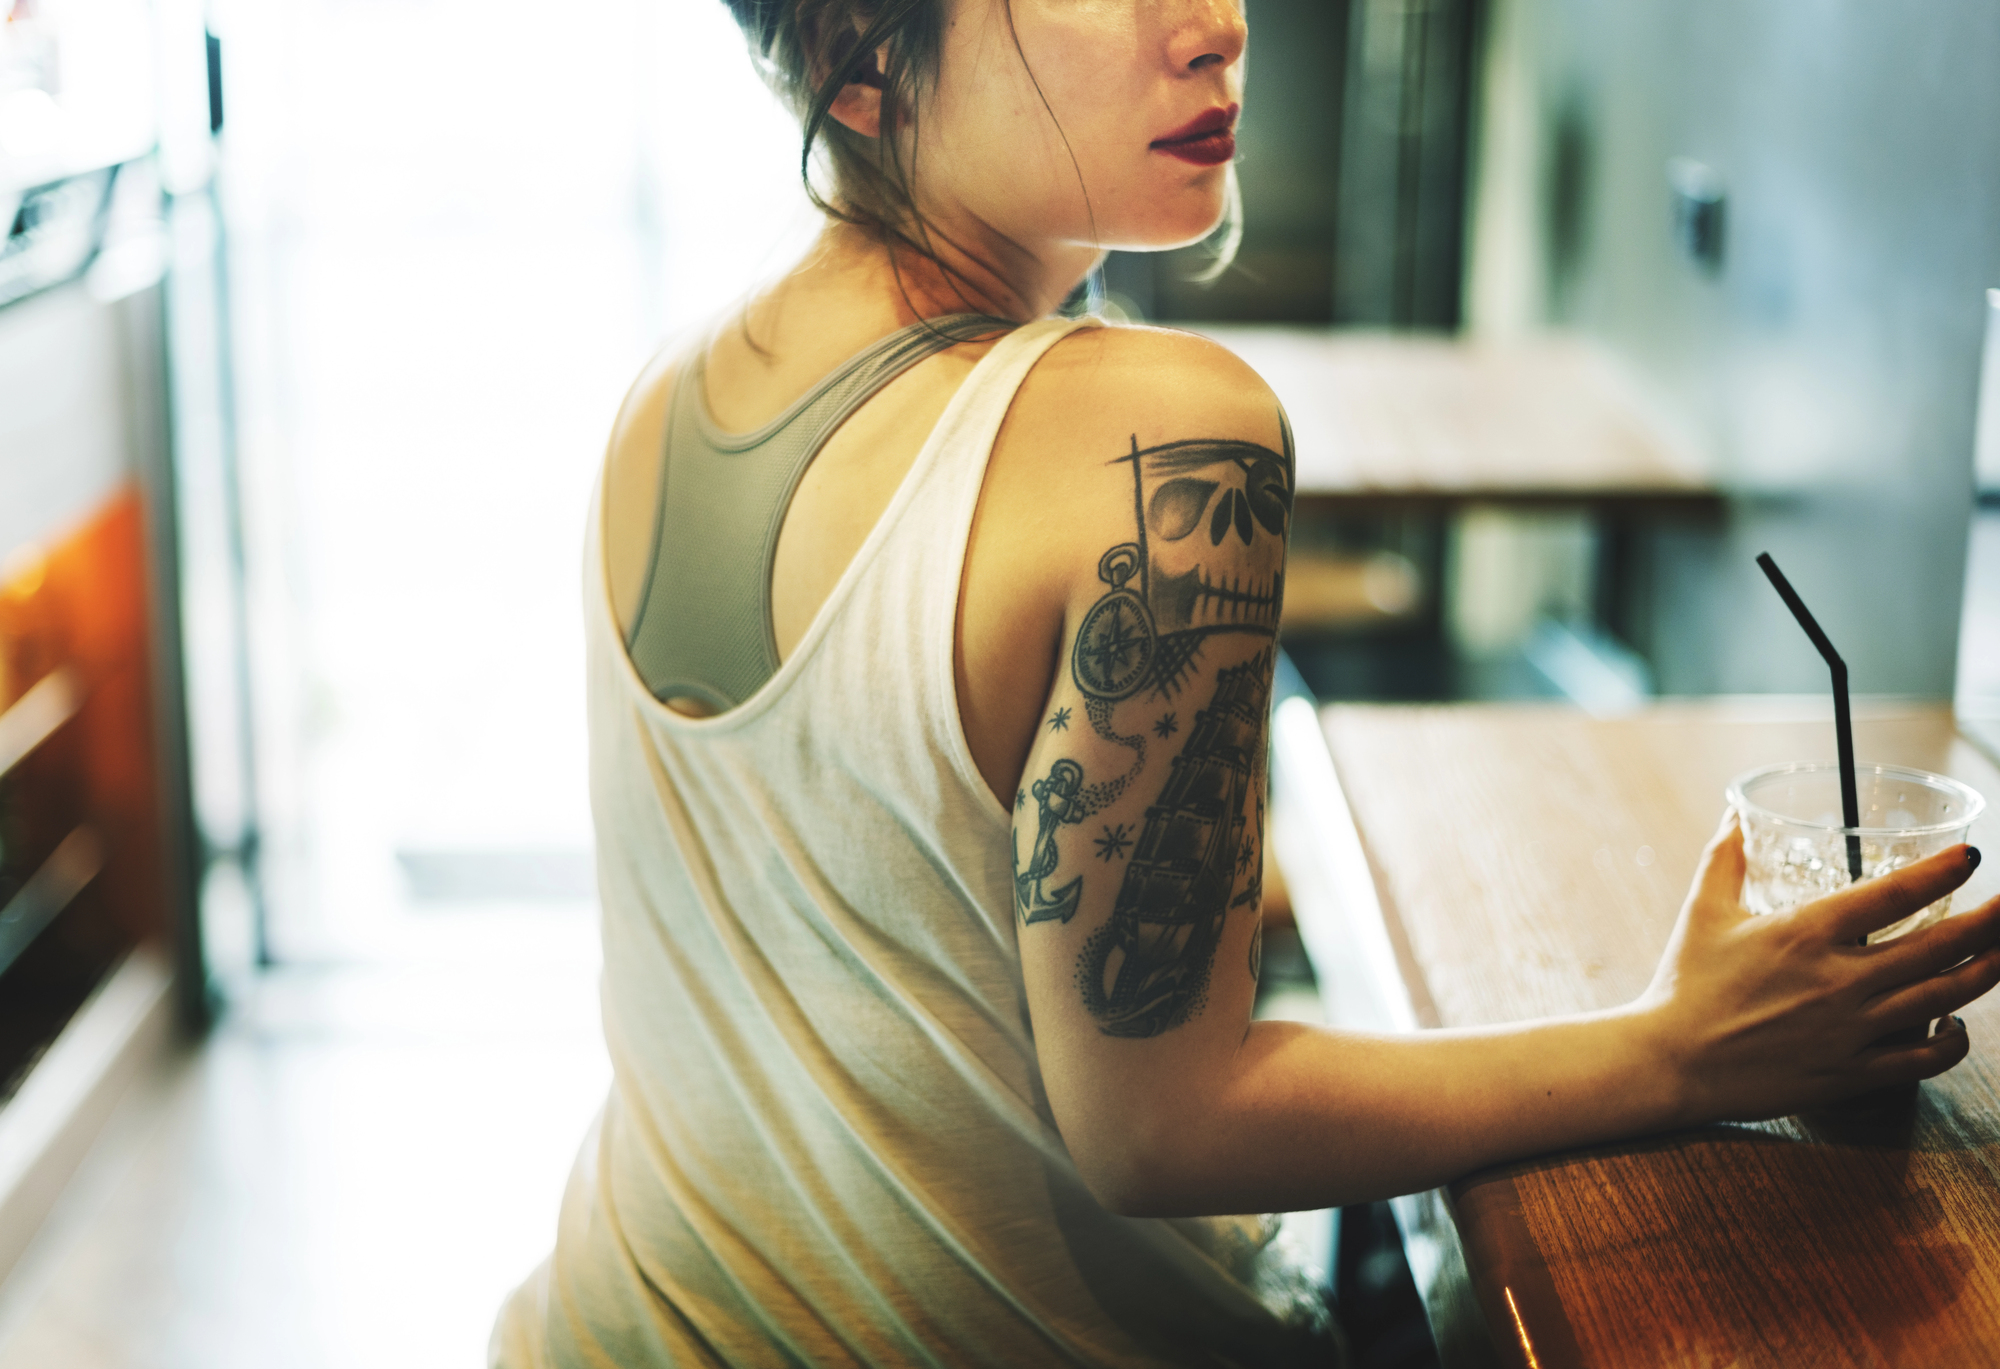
(1157,497)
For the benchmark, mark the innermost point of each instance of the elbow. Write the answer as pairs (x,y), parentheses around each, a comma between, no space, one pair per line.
(1145,1202)
(1137,1167)
(1123,1190)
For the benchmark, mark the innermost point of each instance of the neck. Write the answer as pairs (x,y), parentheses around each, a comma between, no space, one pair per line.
(961,269)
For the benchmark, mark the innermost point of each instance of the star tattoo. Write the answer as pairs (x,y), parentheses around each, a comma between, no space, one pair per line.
(1059,720)
(1166,727)
(1113,843)
(1020,799)
(1247,856)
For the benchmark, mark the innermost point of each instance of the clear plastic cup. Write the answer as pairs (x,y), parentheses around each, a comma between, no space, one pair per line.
(1796,847)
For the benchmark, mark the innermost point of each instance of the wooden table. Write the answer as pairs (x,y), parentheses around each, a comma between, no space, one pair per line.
(1405,430)
(1422,419)
(1473,864)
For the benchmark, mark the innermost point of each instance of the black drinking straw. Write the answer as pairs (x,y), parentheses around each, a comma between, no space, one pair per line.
(1843,720)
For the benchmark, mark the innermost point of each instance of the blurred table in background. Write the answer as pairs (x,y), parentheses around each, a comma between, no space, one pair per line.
(1455,866)
(1400,433)
(1421,418)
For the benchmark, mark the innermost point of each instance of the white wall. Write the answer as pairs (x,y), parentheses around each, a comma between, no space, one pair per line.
(1831,365)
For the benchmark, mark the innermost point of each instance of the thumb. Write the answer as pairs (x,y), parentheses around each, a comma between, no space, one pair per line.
(1719,878)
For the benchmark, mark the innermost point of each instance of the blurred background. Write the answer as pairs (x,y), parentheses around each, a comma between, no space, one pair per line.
(313,319)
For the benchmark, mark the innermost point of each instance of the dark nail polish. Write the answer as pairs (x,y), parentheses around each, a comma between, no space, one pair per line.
(1972,856)
(1959,1020)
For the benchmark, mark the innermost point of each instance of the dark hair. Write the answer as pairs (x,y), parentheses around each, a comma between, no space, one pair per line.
(807,51)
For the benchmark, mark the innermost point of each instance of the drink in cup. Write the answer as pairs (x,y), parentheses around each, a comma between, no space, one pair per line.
(1796,848)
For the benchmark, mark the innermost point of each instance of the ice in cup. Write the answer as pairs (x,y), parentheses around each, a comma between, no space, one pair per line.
(1796,848)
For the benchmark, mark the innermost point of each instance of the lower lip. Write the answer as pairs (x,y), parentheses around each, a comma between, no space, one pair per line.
(1213,150)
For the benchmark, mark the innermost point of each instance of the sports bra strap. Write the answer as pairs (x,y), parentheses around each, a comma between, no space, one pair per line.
(703,628)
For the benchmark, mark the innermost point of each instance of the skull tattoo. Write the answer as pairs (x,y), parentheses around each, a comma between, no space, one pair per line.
(1199,506)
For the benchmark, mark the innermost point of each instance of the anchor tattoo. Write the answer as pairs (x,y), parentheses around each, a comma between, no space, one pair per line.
(1056,803)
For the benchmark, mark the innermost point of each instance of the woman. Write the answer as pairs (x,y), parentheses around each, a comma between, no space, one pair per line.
(931,640)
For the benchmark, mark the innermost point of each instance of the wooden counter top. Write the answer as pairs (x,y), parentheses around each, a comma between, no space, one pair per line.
(1525,860)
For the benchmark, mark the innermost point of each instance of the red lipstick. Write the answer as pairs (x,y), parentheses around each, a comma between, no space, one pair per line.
(1207,140)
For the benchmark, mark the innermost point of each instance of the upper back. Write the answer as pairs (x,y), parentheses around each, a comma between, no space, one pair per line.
(747,379)
(1053,490)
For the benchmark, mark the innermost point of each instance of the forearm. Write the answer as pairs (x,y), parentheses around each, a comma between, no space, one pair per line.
(1302,1117)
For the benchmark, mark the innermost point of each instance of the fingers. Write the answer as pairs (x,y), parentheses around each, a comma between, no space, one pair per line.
(1937,996)
(1875,903)
(1883,1066)
(1906,958)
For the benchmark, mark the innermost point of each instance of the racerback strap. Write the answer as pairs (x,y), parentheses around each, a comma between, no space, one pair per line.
(703,628)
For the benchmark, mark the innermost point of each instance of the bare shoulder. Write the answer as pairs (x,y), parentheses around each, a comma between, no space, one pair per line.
(1131,532)
(1157,384)
(1118,423)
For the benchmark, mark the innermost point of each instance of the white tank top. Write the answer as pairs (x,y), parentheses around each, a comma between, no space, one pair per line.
(827,1141)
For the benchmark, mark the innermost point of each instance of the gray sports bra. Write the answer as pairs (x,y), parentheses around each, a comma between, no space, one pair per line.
(703,629)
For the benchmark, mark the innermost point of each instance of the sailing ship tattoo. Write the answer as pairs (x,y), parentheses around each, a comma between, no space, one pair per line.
(1146,971)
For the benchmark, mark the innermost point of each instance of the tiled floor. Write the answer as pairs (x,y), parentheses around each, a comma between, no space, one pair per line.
(353,1171)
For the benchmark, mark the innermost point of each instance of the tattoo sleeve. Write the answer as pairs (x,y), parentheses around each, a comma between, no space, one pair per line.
(1206,561)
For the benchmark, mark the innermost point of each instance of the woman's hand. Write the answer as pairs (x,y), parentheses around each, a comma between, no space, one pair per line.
(1761,1016)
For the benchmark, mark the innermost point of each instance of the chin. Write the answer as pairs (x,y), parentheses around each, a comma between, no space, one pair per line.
(1184,231)
(1180,220)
